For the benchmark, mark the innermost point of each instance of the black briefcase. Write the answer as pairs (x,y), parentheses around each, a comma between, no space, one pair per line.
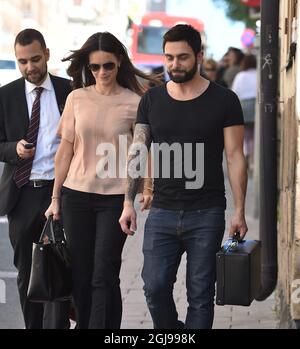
(238,272)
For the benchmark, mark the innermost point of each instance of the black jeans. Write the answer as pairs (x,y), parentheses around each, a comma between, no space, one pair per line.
(96,241)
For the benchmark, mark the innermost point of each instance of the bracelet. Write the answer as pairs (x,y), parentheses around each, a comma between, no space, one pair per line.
(55,197)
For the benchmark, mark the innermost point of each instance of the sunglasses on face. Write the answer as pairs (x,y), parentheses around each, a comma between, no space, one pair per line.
(106,66)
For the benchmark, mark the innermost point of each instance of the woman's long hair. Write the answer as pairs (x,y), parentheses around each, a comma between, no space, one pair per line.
(127,73)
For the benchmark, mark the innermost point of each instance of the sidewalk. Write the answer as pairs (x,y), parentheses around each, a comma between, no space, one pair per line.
(260,315)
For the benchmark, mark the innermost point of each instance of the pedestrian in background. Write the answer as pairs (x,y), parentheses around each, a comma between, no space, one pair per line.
(234,57)
(187,217)
(102,107)
(222,67)
(245,86)
(30,110)
(210,67)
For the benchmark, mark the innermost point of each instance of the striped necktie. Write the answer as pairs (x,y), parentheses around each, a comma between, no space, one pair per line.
(23,170)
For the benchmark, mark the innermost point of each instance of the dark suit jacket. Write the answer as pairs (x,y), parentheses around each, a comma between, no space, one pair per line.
(14,122)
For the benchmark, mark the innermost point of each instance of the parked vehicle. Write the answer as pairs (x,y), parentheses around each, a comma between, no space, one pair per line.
(8,71)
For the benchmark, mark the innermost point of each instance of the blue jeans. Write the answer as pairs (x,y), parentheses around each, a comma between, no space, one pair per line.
(168,234)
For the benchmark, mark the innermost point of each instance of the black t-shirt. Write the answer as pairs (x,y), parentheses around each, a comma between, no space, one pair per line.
(188,124)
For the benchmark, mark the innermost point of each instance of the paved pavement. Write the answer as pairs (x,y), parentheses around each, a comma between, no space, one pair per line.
(259,315)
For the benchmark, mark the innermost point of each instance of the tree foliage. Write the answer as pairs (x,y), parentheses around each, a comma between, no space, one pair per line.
(236,11)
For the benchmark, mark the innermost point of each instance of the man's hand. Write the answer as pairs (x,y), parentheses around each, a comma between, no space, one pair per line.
(22,152)
(128,219)
(238,223)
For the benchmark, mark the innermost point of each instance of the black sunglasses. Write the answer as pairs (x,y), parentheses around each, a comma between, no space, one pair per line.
(106,66)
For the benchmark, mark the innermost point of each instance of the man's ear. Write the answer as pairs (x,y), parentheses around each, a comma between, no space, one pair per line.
(47,54)
(200,57)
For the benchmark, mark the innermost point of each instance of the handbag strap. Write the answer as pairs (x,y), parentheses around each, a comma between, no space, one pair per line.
(49,222)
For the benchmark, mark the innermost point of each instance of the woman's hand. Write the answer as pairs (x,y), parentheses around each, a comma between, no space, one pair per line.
(54,209)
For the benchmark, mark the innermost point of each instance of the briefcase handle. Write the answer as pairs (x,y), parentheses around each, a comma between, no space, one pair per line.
(237,237)
(233,243)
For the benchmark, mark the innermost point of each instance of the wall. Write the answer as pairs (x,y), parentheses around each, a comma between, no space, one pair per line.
(289,174)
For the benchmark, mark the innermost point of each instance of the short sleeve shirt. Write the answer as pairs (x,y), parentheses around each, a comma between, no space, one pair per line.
(94,123)
(194,131)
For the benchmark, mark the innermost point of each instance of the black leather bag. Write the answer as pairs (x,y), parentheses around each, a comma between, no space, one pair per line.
(238,272)
(50,278)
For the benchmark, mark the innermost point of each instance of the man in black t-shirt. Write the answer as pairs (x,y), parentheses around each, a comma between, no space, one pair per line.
(189,121)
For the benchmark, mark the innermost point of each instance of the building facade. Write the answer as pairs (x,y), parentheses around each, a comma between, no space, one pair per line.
(288,286)
(66,24)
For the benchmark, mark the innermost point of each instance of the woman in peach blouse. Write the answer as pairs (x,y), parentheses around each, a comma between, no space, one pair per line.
(98,120)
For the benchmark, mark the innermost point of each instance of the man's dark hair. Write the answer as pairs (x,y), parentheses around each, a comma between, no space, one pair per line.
(184,32)
(27,36)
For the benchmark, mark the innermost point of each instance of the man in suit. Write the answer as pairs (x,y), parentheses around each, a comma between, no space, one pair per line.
(30,110)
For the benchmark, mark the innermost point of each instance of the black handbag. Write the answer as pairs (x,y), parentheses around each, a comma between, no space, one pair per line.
(50,277)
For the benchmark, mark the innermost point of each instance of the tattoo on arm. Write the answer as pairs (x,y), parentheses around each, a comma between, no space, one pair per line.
(142,136)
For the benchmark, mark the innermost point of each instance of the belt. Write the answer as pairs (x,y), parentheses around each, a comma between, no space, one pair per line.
(39,183)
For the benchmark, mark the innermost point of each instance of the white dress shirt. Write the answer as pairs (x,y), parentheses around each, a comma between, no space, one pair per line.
(48,141)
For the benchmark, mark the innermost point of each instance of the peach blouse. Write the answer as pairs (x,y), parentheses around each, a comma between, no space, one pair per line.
(93,123)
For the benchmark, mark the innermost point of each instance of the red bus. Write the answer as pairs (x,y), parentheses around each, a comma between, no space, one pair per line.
(147,38)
